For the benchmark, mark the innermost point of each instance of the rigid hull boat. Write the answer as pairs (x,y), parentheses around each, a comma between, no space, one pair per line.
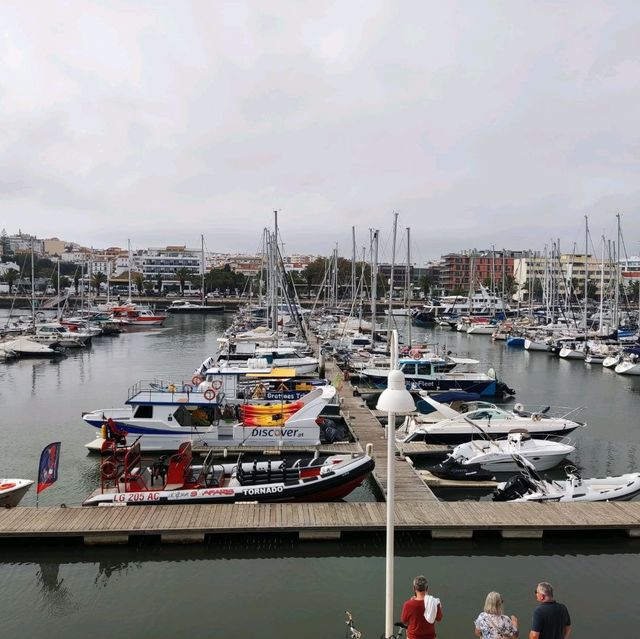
(529,486)
(423,375)
(165,419)
(458,428)
(12,491)
(496,456)
(124,479)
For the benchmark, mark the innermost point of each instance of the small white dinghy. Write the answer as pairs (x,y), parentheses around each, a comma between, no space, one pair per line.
(12,491)
(529,486)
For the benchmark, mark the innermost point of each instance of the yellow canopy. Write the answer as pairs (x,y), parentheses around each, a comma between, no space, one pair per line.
(275,372)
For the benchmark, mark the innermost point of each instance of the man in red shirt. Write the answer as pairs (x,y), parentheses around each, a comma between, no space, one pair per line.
(421,612)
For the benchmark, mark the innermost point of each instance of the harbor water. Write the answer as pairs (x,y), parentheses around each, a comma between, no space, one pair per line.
(276,585)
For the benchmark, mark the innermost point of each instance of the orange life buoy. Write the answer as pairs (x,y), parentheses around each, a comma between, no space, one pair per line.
(209,394)
(108,470)
(196,379)
(416,354)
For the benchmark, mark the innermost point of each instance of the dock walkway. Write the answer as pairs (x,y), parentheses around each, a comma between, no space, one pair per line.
(416,508)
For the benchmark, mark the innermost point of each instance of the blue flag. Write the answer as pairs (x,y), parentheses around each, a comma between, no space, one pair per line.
(48,469)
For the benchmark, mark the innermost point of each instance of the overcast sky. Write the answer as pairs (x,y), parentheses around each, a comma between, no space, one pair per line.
(479,122)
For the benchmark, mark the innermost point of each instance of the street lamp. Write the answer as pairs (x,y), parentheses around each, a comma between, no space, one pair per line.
(395,400)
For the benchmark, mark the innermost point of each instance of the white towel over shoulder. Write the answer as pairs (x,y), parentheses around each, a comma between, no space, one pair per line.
(431,608)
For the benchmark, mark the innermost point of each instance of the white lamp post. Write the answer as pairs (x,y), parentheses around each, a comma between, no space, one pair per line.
(396,400)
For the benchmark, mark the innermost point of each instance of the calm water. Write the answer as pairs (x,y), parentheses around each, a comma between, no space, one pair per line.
(278,586)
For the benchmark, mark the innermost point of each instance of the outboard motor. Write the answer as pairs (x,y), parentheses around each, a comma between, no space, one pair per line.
(516,487)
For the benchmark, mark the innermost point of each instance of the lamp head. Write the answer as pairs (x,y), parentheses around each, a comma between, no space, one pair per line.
(396,398)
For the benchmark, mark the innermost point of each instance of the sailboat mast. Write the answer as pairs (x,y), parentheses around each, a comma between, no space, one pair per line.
(129,263)
(374,280)
(202,269)
(616,321)
(353,265)
(393,268)
(33,287)
(586,269)
(407,284)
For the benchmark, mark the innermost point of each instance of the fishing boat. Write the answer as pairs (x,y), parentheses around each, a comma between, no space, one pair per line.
(529,486)
(458,427)
(12,491)
(488,456)
(164,417)
(125,480)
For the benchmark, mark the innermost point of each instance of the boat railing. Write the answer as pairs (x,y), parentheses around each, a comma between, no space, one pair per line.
(158,385)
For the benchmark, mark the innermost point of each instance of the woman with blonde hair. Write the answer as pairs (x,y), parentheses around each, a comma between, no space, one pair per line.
(492,623)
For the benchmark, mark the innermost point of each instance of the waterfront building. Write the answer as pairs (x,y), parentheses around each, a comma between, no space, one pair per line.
(165,263)
(485,267)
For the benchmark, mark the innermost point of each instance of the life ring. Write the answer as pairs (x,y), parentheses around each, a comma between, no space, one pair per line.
(108,470)
(216,384)
(7,486)
(209,394)
(416,354)
(187,388)
(196,379)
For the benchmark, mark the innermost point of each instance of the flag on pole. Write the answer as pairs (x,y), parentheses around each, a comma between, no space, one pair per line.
(48,469)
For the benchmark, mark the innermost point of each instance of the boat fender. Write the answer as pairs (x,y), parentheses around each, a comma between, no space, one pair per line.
(518,408)
(209,395)
(196,379)
(108,469)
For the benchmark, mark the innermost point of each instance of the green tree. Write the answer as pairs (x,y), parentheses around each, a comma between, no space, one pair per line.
(426,284)
(76,281)
(159,282)
(10,276)
(98,279)
(182,275)
(139,282)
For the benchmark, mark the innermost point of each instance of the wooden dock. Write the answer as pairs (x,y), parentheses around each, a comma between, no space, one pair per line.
(416,509)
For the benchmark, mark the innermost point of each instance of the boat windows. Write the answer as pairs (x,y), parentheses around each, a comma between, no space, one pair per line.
(424,369)
(487,413)
(144,412)
(189,416)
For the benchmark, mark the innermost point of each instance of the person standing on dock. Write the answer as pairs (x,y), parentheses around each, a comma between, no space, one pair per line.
(492,623)
(550,619)
(421,612)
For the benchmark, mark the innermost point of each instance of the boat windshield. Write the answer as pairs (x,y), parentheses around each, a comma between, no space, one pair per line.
(487,413)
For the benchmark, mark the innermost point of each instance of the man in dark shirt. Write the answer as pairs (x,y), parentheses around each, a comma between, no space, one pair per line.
(550,619)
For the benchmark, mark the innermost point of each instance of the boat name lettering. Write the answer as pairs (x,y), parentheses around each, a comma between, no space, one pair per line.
(287,396)
(218,491)
(276,432)
(136,497)
(263,490)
